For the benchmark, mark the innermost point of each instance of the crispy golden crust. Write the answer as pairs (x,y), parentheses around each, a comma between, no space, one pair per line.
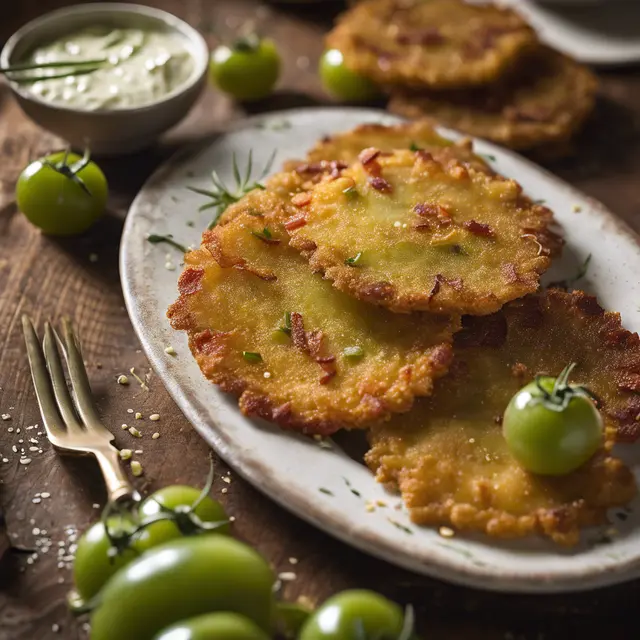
(440,238)
(544,101)
(448,456)
(437,43)
(234,294)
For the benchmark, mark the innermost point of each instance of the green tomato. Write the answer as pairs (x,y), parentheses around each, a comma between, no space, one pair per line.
(214,626)
(54,200)
(352,615)
(248,70)
(93,565)
(181,579)
(178,498)
(549,441)
(341,82)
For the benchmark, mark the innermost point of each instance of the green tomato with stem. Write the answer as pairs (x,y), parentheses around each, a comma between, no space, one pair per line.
(214,626)
(357,615)
(552,427)
(247,70)
(342,82)
(182,579)
(62,194)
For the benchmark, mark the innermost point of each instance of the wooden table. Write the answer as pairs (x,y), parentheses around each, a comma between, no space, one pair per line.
(79,277)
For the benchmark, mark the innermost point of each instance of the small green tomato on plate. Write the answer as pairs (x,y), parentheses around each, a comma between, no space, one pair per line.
(248,69)
(552,427)
(339,81)
(63,194)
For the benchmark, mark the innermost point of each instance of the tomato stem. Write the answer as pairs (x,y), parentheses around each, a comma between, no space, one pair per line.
(562,393)
(71,172)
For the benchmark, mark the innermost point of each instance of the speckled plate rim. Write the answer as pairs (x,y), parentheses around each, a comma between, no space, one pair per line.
(455,561)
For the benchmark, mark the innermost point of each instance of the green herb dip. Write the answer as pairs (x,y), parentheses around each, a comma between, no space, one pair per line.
(140,67)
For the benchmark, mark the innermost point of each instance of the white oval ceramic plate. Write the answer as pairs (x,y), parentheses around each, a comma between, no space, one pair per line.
(292,469)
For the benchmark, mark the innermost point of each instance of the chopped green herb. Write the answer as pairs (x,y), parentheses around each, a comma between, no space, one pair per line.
(353,262)
(323,490)
(168,239)
(489,157)
(264,234)
(399,525)
(541,201)
(355,492)
(414,147)
(286,326)
(255,213)
(353,352)
(190,223)
(252,356)
(351,192)
(570,282)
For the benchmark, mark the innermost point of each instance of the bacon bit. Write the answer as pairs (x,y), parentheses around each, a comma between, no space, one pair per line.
(519,370)
(423,37)
(628,420)
(282,414)
(435,211)
(298,334)
(425,156)
(509,272)
(380,184)
(325,359)
(190,281)
(479,229)
(301,199)
(368,155)
(323,166)
(328,374)
(295,222)
(212,244)
(422,226)
(314,343)
(373,404)
(210,342)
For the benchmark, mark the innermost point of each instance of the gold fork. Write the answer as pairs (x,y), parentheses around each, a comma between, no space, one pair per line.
(71,421)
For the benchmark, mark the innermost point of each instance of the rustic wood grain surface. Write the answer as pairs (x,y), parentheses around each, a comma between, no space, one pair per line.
(49,278)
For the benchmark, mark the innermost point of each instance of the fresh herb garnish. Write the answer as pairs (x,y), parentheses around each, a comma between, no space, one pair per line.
(541,201)
(78,68)
(286,326)
(252,356)
(221,196)
(323,490)
(265,234)
(350,192)
(489,157)
(414,147)
(154,238)
(353,352)
(353,262)
(399,525)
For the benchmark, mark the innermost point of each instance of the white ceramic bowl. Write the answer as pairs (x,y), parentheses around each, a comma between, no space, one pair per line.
(108,131)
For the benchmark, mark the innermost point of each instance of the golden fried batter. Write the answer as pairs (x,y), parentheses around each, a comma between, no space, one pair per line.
(437,43)
(403,231)
(544,101)
(294,349)
(330,156)
(448,456)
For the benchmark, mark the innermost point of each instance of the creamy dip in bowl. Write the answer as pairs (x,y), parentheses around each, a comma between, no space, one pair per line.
(135,72)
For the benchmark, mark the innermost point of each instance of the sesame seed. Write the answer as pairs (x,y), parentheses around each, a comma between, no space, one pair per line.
(129,410)
(397,224)
(125,426)
(446,532)
(138,416)
(170,351)
(472,440)
(25,460)
(136,468)
(224,490)
(169,266)
(404,226)
(267,374)
(10,429)
(36,500)
(154,417)
(45,494)
(95,505)
(293,560)
(123,380)
(138,451)
(155,436)
(286,576)
(232,519)
(134,432)
(125,454)
(226,479)
(33,449)
(55,628)
(5,459)
(36,531)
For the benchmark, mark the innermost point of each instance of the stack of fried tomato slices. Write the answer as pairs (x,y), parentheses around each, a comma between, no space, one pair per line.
(390,282)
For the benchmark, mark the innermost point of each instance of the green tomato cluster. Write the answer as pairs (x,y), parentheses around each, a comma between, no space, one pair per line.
(178,577)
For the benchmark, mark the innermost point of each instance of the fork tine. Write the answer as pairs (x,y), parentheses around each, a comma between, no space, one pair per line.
(41,381)
(58,380)
(79,379)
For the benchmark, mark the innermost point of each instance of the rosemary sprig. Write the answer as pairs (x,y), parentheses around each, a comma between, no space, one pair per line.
(154,238)
(222,196)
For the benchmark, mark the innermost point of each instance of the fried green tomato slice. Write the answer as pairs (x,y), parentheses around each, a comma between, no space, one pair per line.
(295,350)
(404,231)
(335,153)
(448,456)
(434,43)
(544,101)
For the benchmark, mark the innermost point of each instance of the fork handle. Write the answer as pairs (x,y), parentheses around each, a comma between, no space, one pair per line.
(118,487)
